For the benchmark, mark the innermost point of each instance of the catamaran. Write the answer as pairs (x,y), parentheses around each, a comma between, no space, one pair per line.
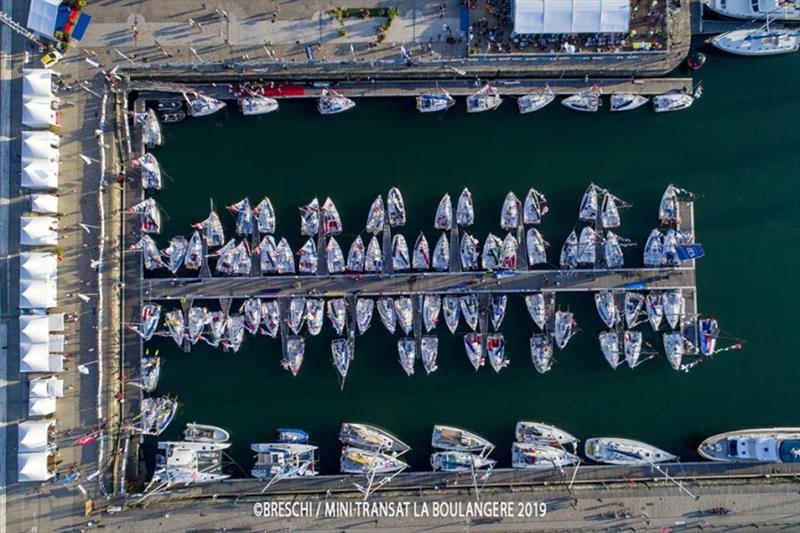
(331,222)
(469,310)
(496,349)
(151,128)
(407,350)
(376,216)
(586,101)
(469,252)
(452,312)
(283,460)
(334,258)
(156,415)
(373,261)
(674,346)
(387,314)
(764,445)
(293,356)
(529,103)
(535,456)
(271,317)
(245,221)
(674,101)
(429,347)
(541,345)
(510,212)
(150,254)
(175,325)
(707,332)
(431,307)
(569,251)
(285,257)
(400,258)
(590,204)
(544,434)
(355,256)
(337,314)
(617,451)
(465,210)
(150,315)
(486,99)
(315,311)
(535,243)
(634,303)
(364,310)
(251,310)
(453,461)
(632,344)
(360,461)
(669,207)
(196,323)
(184,463)
(473,344)
(444,214)
(609,345)
(565,328)
(536,307)
(492,248)
(297,314)
(654,304)
(265,216)
(234,327)
(497,310)
(606,308)
(627,101)
(395,208)
(194,252)
(674,307)
(587,247)
(342,352)
(330,102)
(194,432)
(431,102)
(404,311)
(457,439)
(212,230)
(367,437)
(310,218)
(309,259)
(421,258)
(203,105)
(151,370)
(757,9)
(534,208)
(612,251)
(257,105)
(653,249)
(150,172)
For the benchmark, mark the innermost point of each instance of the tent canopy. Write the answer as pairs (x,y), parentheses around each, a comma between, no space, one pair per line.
(37,112)
(38,231)
(42,17)
(55,321)
(46,204)
(37,265)
(37,82)
(33,467)
(571,16)
(40,175)
(39,145)
(33,435)
(34,329)
(51,387)
(37,294)
(41,406)
(37,358)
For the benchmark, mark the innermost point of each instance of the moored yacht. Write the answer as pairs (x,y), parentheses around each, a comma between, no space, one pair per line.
(364,309)
(763,41)
(627,101)
(674,101)
(766,445)
(535,244)
(541,345)
(586,101)
(330,102)
(444,214)
(285,460)
(534,456)
(465,210)
(529,103)
(456,461)
(430,349)
(486,99)
(257,105)
(617,451)
(565,328)
(431,102)
(536,308)
(756,9)
(372,438)
(203,105)
(407,351)
(362,461)
(541,433)
(473,344)
(453,438)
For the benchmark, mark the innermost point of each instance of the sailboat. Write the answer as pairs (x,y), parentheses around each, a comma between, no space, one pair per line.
(609,213)
(150,171)
(330,103)
(331,222)
(654,304)
(609,345)
(430,349)
(404,311)
(156,415)
(151,370)
(234,332)
(452,312)
(314,314)
(407,350)
(473,344)
(310,218)
(342,352)
(674,307)
(387,314)
(421,258)
(367,437)
(674,347)
(469,310)
(376,216)
(364,310)
(430,102)
(653,249)
(244,216)
(541,345)
(212,230)
(297,314)
(395,208)
(486,99)
(536,308)
(589,204)
(216,323)
(496,349)
(150,215)
(469,252)
(510,212)
(617,451)
(400,258)
(444,214)
(175,325)
(673,101)
(587,247)
(604,301)
(535,456)
(176,252)
(531,102)
(508,253)
(627,101)
(535,243)
(498,310)
(194,252)
(441,254)
(586,101)
(758,10)
(492,248)
(251,310)
(334,257)
(569,251)
(202,105)
(669,207)
(707,332)
(453,461)
(465,210)
(271,318)
(534,208)
(431,308)
(355,257)
(309,259)
(284,257)
(150,315)
(632,344)
(612,251)
(257,105)
(457,439)
(337,314)
(361,461)
(565,328)
(151,128)
(544,434)
(634,303)
(293,356)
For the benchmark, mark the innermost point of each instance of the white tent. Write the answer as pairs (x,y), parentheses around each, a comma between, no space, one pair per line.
(40,175)
(37,293)
(37,358)
(571,16)
(37,82)
(34,329)
(38,231)
(42,17)
(55,321)
(51,387)
(46,204)
(41,406)
(37,112)
(37,265)
(56,343)
(33,467)
(38,145)
(33,435)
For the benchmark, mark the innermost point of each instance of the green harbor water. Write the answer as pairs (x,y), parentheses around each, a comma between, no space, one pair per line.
(738,149)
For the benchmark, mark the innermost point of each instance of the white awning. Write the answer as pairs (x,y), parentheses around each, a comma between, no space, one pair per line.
(41,406)
(33,467)
(51,387)
(37,82)
(571,16)
(38,231)
(42,17)
(55,321)
(37,358)
(56,343)
(37,293)
(39,145)
(37,265)
(34,329)
(38,112)
(46,204)
(40,175)
(33,435)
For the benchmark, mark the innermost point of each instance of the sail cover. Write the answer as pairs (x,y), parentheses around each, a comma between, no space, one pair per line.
(571,16)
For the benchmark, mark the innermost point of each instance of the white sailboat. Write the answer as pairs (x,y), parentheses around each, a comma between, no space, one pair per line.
(331,222)
(496,350)
(421,258)
(653,249)
(634,304)
(609,345)
(270,317)
(457,439)
(395,208)
(330,103)
(400,257)
(452,312)
(674,307)
(627,101)
(293,357)
(590,203)
(541,345)
(297,314)
(175,325)
(510,218)
(654,304)
(407,351)
(387,314)
(587,247)
(498,310)
(569,251)
(212,230)
(404,311)
(587,101)
(565,328)
(612,251)
(315,311)
(194,252)
(465,210)
(486,99)
(376,216)
(535,456)
(473,344)
(355,256)
(469,252)
(544,434)
(284,257)
(431,308)
(430,349)
(617,451)
(535,244)
(675,101)
(431,102)
(469,310)
(251,311)
(529,103)
(342,353)
(632,344)
(310,218)
(441,254)
(674,347)
(669,207)
(604,301)
(444,214)
(536,308)
(373,261)
(534,208)
(334,257)
(257,105)
(337,314)
(202,105)
(309,259)
(364,310)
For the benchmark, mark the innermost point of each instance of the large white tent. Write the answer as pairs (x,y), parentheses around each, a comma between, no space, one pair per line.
(37,293)
(42,17)
(37,265)
(46,204)
(40,175)
(37,112)
(38,231)
(37,82)
(571,16)
(33,467)
(43,394)
(39,145)
(37,358)
(33,435)
(34,329)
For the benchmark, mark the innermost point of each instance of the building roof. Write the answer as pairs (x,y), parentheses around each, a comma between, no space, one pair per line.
(571,16)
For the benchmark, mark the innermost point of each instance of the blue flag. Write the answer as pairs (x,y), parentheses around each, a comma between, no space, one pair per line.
(688,252)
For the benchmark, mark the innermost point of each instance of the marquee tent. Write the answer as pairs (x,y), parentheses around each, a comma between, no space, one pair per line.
(42,17)
(37,293)
(33,435)
(37,358)
(46,204)
(571,16)
(37,265)
(34,329)
(33,467)
(39,145)
(37,82)
(38,231)
(37,112)
(43,394)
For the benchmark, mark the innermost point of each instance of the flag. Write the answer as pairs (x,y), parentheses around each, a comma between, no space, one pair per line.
(83,369)
(86,160)
(83,297)
(87,439)
(687,252)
